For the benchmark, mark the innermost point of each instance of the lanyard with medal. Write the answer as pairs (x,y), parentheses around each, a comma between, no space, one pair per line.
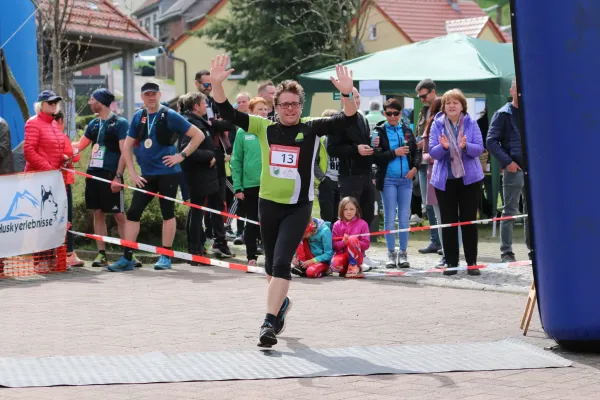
(97,159)
(149,125)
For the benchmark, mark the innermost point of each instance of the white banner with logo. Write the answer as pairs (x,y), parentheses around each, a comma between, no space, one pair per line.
(33,212)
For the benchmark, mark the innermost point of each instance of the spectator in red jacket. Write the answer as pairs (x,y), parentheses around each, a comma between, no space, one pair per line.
(45,145)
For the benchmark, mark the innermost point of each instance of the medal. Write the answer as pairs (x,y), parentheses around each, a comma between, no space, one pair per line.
(148,143)
(95,148)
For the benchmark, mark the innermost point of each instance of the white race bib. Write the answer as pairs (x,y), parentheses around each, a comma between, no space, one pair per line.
(97,159)
(283,161)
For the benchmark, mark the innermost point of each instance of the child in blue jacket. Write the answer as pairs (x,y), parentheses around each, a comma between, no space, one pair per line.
(314,254)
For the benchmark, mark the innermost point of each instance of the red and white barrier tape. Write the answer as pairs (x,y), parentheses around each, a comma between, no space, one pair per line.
(427,228)
(171,253)
(160,196)
(260,270)
(413,272)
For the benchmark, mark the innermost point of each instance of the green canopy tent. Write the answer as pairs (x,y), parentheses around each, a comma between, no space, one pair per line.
(479,68)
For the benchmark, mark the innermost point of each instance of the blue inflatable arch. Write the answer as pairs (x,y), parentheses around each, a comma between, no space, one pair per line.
(557,64)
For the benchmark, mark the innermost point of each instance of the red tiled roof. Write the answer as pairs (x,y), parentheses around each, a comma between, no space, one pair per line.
(426,19)
(103,19)
(467,26)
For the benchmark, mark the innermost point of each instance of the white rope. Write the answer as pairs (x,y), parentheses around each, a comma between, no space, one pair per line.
(20,27)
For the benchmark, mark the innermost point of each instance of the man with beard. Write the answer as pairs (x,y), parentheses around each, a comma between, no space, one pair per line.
(107,135)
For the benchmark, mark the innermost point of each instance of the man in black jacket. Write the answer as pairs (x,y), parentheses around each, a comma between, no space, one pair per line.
(200,171)
(355,153)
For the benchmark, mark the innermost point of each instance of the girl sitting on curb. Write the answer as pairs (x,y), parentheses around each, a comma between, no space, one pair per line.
(349,249)
(314,254)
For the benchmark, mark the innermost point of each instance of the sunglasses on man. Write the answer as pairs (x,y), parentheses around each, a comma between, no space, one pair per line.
(423,96)
(207,85)
(392,113)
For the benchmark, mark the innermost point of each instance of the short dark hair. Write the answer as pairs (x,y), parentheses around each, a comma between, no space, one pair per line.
(201,73)
(263,85)
(392,103)
(190,100)
(425,84)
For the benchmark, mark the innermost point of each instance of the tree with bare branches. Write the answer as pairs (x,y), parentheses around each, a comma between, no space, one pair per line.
(280,39)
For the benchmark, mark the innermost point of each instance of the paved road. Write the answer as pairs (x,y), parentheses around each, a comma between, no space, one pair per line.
(205,309)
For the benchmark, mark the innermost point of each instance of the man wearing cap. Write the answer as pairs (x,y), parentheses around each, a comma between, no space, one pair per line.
(107,135)
(155,129)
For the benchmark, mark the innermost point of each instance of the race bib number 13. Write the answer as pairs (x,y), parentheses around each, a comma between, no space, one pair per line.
(283,161)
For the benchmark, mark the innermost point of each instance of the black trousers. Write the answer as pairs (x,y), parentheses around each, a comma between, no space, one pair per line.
(282,229)
(251,231)
(459,200)
(195,233)
(329,200)
(360,187)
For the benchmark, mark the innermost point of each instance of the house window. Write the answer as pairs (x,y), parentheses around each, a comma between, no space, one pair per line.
(234,76)
(372,29)
(147,24)
(155,29)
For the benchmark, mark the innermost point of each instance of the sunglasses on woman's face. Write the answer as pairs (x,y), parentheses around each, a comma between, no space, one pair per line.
(392,113)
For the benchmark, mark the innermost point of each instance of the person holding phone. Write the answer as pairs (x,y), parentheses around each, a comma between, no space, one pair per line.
(397,163)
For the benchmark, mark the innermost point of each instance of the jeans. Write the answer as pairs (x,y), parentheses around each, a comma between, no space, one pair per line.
(512,188)
(396,195)
(434,237)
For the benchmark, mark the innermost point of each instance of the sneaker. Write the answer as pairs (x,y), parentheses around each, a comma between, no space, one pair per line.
(508,257)
(252,263)
(431,249)
(136,263)
(283,311)
(441,263)
(402,260)
(121,265)
(260,250)
(163,263)
(415,220)
(391,263)
(354,271)
(222,250)
(239,240)
(100,261)
(474,272)
(267,337)
(229,233)
(453,272)
(207,247)
(440,252)
(74,261)
(368,264)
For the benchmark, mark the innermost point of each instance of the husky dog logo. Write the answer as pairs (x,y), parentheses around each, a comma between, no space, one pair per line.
(49,208)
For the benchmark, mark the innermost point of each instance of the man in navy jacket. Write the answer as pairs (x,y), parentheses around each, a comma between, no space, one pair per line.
(504,142)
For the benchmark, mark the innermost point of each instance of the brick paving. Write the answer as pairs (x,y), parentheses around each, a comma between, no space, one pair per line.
(194,309)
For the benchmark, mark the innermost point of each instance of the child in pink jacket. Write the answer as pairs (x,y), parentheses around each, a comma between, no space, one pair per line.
(349,249)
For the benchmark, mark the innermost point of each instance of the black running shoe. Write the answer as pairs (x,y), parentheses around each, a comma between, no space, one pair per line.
(298,271)
(267,336)
(280,321)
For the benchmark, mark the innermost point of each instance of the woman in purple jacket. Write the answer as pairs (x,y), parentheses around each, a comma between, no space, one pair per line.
(455,144)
